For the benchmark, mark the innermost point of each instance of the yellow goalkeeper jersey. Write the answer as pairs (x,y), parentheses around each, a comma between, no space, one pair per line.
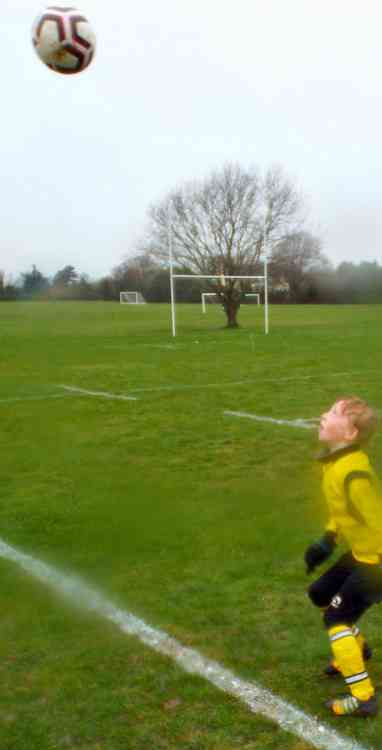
(355,506)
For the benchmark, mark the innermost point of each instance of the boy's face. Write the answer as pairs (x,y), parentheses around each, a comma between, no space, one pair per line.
(336,427)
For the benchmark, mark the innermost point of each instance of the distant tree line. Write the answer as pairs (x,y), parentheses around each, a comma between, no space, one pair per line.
(298,273)
(223,226)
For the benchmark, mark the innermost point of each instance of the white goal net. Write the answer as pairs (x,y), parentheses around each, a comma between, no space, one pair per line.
(131,298)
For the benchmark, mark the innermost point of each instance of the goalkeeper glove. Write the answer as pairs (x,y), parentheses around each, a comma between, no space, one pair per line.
(318,552)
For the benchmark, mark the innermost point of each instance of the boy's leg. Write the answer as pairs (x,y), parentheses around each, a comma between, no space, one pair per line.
(322,591)
(354,598)
(361,640)
(332,670)
(348,656)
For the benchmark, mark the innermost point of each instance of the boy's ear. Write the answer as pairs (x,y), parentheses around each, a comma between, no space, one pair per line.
(352,433)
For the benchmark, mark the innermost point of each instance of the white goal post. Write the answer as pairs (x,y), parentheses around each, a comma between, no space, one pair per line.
(204,296)
(131,298)
(214,294)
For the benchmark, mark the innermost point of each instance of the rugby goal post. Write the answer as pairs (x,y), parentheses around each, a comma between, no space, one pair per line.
(221,277)
(131,298)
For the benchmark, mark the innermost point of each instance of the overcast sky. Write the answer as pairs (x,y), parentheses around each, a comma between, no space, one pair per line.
(178,88)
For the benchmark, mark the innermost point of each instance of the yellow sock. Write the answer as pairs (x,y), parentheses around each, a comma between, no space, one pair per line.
(358,636)
(332,661)
(349,660)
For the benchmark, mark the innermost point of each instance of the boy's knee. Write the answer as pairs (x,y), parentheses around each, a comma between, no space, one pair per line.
(317,595)
(333,616)
(344,609)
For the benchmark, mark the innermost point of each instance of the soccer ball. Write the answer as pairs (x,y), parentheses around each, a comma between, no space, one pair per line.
(63,39)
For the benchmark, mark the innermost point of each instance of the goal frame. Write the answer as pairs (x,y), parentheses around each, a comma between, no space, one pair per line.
(204,295)
(125,302)
(253,294)
(214,294)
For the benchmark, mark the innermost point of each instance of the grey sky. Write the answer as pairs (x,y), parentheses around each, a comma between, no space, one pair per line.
(179,87)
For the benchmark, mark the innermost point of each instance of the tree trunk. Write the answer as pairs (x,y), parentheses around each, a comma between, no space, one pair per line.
(231,308)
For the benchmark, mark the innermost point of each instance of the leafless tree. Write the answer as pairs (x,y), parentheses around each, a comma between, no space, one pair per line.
(221,225)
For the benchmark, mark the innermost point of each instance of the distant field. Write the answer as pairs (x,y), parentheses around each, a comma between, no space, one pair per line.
(194,520)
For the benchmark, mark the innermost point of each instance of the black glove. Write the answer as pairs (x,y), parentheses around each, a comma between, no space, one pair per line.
(318,552)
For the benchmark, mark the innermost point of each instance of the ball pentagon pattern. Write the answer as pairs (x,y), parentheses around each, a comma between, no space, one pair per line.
(63,39)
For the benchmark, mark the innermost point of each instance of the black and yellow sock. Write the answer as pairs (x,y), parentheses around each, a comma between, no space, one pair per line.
(349,660)
(358,636)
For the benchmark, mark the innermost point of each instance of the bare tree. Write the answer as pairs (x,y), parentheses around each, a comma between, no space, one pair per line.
(294,259)
(220,226)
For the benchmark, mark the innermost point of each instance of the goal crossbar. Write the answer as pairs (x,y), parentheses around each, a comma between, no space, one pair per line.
(221,276)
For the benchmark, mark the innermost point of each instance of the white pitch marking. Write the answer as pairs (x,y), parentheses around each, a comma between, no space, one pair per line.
(258,699)
(102,394)
(302,423)
(187,387)
(160,346)
(234,383)
(30,398)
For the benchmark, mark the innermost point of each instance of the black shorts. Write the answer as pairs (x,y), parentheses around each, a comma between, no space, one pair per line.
(347,590)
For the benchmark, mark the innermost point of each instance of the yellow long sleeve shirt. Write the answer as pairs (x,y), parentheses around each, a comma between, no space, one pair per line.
(350,487)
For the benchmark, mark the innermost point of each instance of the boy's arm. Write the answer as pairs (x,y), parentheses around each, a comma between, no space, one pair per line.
(364,503)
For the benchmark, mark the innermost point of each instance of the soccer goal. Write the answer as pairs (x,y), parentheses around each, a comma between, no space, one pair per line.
(222,278)
(255,296)
(209,298)
(131,298)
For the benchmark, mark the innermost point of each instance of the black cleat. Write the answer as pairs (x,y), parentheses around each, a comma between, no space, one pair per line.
(352,706)
(332,671)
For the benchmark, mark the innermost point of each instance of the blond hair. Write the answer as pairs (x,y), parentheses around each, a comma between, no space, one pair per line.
(362,416)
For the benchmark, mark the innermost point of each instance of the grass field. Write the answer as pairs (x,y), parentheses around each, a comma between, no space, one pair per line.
(193,520)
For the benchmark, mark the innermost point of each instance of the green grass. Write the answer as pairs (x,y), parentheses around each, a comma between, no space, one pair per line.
(195,521)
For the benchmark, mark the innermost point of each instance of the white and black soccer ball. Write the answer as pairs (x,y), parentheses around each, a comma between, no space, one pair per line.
(64,39)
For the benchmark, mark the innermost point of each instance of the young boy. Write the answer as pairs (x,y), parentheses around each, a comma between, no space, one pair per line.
(354,582)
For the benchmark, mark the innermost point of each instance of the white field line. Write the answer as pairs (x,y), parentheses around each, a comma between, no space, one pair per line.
(191,387)
(305,424)
(30,398)
(171,347)
(181,387)
(234,383)
(101,394)
(258,699)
